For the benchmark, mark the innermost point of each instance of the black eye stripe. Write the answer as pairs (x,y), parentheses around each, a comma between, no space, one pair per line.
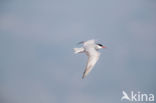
(100,44)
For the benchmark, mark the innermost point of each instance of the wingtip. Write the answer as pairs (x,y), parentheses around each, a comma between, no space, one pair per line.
(83,77)
(80,42)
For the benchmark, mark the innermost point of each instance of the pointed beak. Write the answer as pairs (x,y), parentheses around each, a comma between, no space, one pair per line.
(104,47)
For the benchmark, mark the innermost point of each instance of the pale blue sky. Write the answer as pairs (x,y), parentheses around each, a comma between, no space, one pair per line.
(37,62)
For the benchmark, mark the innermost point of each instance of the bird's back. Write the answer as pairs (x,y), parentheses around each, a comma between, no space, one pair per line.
(90,48)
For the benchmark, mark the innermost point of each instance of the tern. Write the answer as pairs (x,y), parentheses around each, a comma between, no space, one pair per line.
(90,48)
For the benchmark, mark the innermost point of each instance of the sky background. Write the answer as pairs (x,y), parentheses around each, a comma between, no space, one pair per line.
(37,64)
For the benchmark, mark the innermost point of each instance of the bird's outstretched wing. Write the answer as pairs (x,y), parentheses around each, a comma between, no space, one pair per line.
(92,59)
(89,42)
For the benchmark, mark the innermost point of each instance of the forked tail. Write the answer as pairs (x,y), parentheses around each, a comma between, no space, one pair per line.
(78,50)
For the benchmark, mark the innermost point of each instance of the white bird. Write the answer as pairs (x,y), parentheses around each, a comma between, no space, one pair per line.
(125,96)
(91,50)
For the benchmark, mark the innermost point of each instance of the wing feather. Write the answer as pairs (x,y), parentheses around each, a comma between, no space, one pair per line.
(92,59)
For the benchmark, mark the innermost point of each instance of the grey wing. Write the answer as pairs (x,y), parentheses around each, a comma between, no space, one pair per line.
(91,62)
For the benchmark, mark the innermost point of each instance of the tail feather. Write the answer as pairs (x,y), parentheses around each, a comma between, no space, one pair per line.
(78,50)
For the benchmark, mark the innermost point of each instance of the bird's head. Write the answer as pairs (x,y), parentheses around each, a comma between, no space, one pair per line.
(100,46)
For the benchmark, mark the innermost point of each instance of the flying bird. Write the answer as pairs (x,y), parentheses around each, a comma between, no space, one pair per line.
(90,48)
